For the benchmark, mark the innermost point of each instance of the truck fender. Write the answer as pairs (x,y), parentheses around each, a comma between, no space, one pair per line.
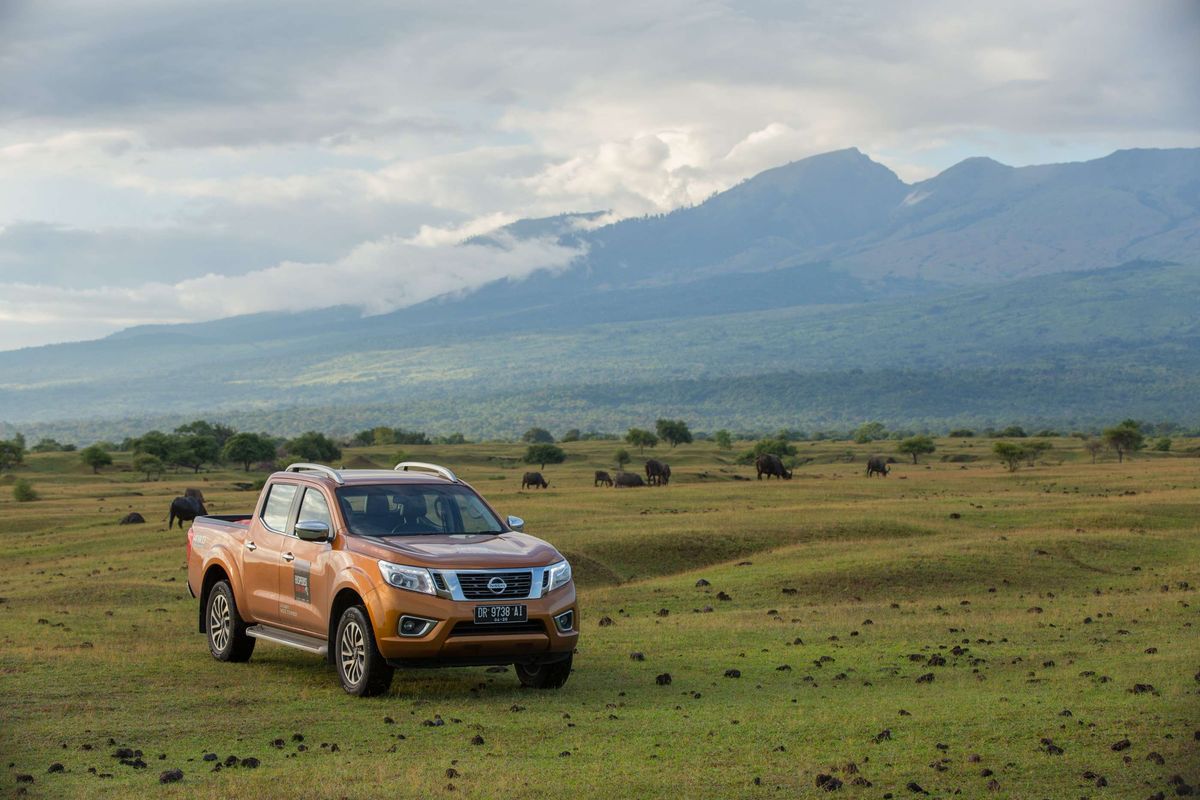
(220,556)
(350,579)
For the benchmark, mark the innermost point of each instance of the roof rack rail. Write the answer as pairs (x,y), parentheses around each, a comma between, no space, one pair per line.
(329,472)
(405,466)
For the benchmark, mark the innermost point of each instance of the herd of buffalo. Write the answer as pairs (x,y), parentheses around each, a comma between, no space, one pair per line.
(658,473)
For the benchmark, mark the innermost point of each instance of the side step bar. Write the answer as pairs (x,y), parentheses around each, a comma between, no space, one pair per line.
(309,644)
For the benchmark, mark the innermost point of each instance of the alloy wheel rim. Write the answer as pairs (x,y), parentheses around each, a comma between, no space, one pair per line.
(353,652)
(219,622)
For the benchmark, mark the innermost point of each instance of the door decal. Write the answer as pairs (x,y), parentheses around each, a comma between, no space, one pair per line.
(300,581)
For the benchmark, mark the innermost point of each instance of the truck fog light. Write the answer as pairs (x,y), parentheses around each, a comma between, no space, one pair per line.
(414,626)
(565,621)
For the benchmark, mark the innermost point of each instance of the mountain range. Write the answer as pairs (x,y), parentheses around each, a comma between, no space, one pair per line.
(818,293)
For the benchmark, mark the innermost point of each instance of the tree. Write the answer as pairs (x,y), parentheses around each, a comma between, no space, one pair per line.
(95,457)
(723,439)
(1011,454)
(538,436)
(313,446)
(773,447)
(156,443)
(673,431)
(1035,450)
(962,433)
(11,454)
(454,438)
(1163,445)
(869,432)
(218,432)
(194,451)
(1094,446)
(1125,438)
(641,439)
(544,454)
(571,435)
(246,448)
(23,491)
(916,446)
(1013,432)
(621,457)
(148,464)
(47,446)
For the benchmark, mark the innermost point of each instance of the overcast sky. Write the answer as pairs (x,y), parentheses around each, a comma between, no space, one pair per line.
(163,160)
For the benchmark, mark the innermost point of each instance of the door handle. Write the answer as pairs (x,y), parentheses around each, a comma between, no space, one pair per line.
(251,546)
(288,557)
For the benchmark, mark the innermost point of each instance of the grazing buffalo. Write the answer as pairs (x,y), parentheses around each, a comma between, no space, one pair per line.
(602,479)
(772,466)
(533,480)
(877,465)
(625,480)
(186,508)
(657,473)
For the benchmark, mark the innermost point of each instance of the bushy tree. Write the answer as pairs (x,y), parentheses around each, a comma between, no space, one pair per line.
(572,435)
(217,432)
(95,457)
(1012,432)
(621,457)
(673,431)
(247,448)
(47,446)
(11,454)
(454,438)
(1163,445)
(194,451)
(313,446)
(869,432)
(641,439)
(775,447)
(544,454)
(723,439)
(23,491)
(1125,438)
(916,446)
(1010,454)
(1094,446)
(1035,450)
(961,433)
(148,465)
(537,436)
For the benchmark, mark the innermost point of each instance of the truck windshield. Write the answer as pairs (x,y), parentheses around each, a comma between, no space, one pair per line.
(414,510)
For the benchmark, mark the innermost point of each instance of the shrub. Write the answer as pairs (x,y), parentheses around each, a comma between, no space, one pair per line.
(23,491)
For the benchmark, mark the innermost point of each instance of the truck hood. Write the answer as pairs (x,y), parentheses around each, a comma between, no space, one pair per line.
(468,551)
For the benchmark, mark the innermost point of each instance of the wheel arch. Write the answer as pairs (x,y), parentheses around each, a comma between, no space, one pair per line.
(214,573)
(345,597)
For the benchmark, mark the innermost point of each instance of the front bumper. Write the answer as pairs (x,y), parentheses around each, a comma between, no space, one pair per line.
(455,640)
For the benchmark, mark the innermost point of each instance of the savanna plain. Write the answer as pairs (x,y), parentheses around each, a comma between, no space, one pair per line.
(953,629)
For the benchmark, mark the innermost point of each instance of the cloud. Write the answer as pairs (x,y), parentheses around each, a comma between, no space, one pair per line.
(377,277)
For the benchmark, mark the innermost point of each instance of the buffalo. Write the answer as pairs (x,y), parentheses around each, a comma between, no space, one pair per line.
(628,480)
(877,465)
(533,480)
(657,473)
(187,508)
(771,465)
(602,479)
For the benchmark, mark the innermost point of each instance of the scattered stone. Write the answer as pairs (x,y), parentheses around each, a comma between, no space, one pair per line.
(1124,744)
(915,788)
(56,767)
(703,582)
(1155,757)
(663,679)
(637,656)
(252,762)
(662,612)
(213,756)
(451,772)
(733,673)
(828,783)
(477,739)
(723,596)
(132,518)
(605,622)
(171,776)
(926,678)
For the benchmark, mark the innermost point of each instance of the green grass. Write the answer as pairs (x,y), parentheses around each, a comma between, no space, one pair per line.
(99,639)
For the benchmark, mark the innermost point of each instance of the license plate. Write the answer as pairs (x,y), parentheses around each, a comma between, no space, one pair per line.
(490,615)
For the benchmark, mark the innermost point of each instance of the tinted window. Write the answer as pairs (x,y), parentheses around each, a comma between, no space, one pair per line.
(413,510)
(279,502)
(313,508)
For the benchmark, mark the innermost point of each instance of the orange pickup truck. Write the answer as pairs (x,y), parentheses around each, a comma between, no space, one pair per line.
(379,569)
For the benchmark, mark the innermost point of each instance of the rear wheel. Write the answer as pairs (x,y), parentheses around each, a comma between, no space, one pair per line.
(362,668)
(227,639)
(545,676)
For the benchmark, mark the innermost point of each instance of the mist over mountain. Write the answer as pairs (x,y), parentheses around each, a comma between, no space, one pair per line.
(826,267)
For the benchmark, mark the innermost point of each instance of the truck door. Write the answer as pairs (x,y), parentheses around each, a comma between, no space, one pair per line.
(305,571)
(263,551)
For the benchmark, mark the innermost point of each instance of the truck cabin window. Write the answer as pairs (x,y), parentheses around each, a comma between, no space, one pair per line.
(313,508)
(408,510)
(278,504)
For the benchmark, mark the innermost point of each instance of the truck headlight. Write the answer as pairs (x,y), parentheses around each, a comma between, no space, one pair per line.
(414,579)
(560,575)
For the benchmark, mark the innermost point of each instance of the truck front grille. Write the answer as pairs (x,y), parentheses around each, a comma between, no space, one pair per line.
(505,628)
(475,585)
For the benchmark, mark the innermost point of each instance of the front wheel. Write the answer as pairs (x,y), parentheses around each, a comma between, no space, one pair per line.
(227,639)
(545,676)
(362,668)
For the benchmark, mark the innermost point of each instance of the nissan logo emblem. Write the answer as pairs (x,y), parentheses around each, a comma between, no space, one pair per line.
(497,585)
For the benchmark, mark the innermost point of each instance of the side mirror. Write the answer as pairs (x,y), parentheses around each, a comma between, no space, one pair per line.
(516,523)
(311,530)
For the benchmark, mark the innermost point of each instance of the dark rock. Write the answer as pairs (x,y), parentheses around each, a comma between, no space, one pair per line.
(915,787)
(637,656)
(723,596)
(733,673)
(926,678)
(171,776)
(477,739)
(1155,757)
(605,622)
(132,518)
(1124,744)
(663,679)
(56,767)
(703,582)
(828,783)
(451,772)
(251,762)
(213,756)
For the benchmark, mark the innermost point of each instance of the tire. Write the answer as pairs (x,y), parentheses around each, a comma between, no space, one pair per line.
(545,676)
(362,668)
(227,639)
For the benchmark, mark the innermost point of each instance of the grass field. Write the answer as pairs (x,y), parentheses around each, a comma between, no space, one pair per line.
(950,630)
